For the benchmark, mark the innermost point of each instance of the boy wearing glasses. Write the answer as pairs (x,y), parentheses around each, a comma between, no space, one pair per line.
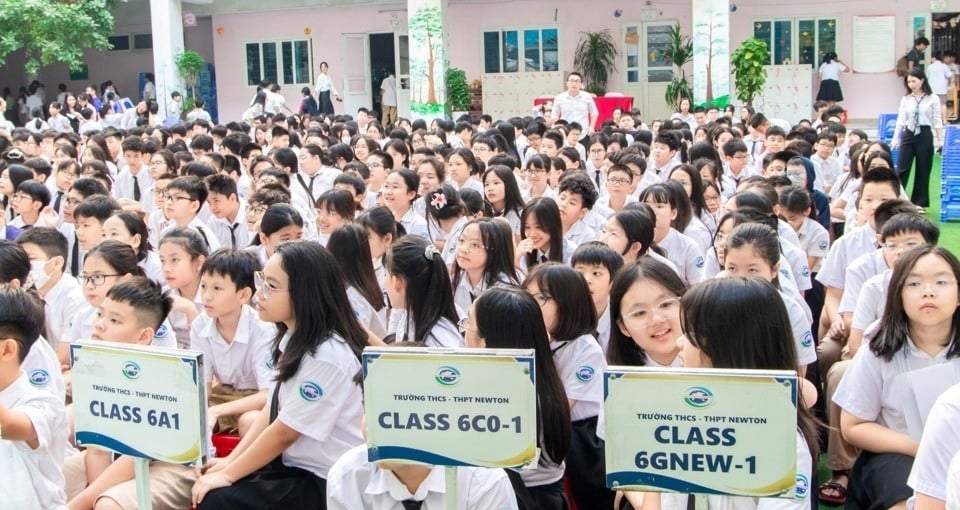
(182,202)
(31,197)
(33,422)
(619,184)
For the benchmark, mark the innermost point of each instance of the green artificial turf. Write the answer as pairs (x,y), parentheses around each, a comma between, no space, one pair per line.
(950,231)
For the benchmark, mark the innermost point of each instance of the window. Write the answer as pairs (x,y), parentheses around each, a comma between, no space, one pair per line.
(119,42)
(538,47)
(797,40)
(281,62)
(142,41)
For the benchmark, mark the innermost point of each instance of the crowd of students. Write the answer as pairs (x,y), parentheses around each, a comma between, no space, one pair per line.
(282,246)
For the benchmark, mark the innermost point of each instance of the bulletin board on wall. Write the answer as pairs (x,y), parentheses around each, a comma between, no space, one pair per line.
(875,50)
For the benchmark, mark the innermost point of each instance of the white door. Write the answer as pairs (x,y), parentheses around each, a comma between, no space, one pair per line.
(356,73)
(646,73)
(402,56)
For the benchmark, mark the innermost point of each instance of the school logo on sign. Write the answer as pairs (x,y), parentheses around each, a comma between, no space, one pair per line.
(447,376)
(131,370)
(698,397)
(310,391)
(585,373)
(39,377)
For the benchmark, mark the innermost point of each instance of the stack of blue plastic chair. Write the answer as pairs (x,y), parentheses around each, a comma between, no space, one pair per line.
(886,124)
(950,175)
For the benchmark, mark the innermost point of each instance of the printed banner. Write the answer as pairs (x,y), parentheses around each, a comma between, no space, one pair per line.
(469,407)
(141,401)
(711,53)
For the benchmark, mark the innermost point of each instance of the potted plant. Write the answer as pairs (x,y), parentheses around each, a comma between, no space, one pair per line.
(190,65)
(679,53)
(748,69)
(458,92)
(595,58)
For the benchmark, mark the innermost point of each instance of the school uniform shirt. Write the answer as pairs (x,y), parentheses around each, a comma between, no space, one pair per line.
(648,179)
(580,233)
(603,328)
(32,478)
(873,390)
(604,205)
(698,233)
(798,268)
(221,227)
(179,319)
(862,268)
(414,224)
(523,268)
(548,192)
(443,334)
(685,254)
(513,218)
(259,251)
(576,108)
(123,187)
(827,170)
(814,241)
(82,325)
(42,367)
(465,294)
(953,484)
(152,267)
(580,363)
(872,300)
(358,483)
(156,223)
(674,501)
(665,261)
(213,244)
(851,245)
(938,446)
(800,321)
(59,305)
(242,362)
(470,183)
(596,218)
(451,240)
(365,312)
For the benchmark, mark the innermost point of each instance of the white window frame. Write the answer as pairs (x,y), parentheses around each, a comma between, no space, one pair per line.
(795,35)
(279,45)
(521,47)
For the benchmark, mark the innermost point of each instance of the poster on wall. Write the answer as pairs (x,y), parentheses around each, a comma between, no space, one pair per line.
(875,51)
(428,95)
(711,52)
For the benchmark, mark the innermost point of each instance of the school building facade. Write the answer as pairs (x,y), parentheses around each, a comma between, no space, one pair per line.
(514,50)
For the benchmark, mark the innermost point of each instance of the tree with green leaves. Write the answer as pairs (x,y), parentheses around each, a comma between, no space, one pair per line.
(749,72)
(426,27)
(52,31)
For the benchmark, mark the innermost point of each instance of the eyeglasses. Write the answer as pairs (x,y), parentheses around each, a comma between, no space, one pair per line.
(481,150)
(73,202)
(462,325)
(598,151)
(263,286)
(21,196)
(95,279)
(260,209)
(157,163)
(901,247)
(742,156)
(534,171)
(374,165)
(618,182)
(711,198)
(471,245)
(665,309)
(174,198)
(938,285)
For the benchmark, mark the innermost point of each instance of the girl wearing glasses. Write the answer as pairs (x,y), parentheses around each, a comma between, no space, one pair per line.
(536,173)
(315,413)
(484,259)
(911,359)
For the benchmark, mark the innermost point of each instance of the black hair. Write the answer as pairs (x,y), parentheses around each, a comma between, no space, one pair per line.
(797,200)
(429,295)
(278,217)
(119,256)
(513,199)
(622,350)
(36,190)
(508,318)
(188,239)
(467,156)
(192,186)
(497,240)
(761,237)
(21,318)
(222,184)
(100,207)
(14,262)
(578,183)
(317,297)
(135,225)
(638,223)
(339,201)
(696,188)
(151,305)
(380,220)
(349,244)
(49,240)
(902,223)
(595,253)
(547,216)
(566,287)
(918,73)
(474,203)
(236,266)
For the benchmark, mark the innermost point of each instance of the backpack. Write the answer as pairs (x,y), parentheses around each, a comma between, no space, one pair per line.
(902,66)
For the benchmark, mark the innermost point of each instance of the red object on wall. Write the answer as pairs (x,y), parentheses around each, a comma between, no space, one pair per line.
(605,106)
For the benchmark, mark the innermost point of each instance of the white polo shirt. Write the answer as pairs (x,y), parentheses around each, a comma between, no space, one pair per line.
(576,108)
(322,403)
(239,363)
(938,446)
(32,478)
(685,254)
(356,483)
(872,300)
(580,364)
(42,367)
(443,334)
(863,268)
(61,302)
(580,233)
(814,241)
(365,313)
(844,250)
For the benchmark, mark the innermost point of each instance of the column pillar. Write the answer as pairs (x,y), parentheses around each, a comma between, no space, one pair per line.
(427,23)
(166,22)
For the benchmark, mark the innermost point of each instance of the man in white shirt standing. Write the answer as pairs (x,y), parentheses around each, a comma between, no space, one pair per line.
(939,76)
(388,99)
(575,105)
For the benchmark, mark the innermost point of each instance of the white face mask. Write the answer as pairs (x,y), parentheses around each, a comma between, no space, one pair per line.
(38,273)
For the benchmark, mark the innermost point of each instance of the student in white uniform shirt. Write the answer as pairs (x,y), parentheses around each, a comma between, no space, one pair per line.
(576,199)
(508,318)
(663,154)
(61,294)
(349,244)
(314,414)
(930,478)
(182,203)
(335,208)
(398,193)
(630,233)
(536,172)
(446,219)
(182,253)
(418,285)
(484,259)
(579,358)
(598,263)
(35,422)
(134,181)
(280,222)
(795,206)
(228,212)
(541,239)
(618,181)
(684,252)
(501,190)
(910,359)
(128,227)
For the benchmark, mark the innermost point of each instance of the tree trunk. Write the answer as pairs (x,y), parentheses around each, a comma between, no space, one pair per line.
(710,62)
(431,59)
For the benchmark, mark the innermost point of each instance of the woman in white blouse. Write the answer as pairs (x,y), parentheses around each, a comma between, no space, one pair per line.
(325,88)
(918,119)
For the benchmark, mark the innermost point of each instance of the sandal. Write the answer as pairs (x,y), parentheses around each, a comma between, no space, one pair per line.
(839,498)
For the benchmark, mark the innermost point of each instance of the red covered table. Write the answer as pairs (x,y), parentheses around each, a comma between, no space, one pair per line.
(605,105)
